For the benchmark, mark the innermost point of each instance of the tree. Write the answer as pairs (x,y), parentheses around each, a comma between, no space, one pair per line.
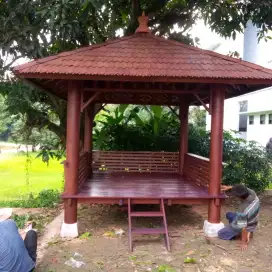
(197,116)
(5,120)
(39,28)
(38,110)
(33,29)
(230,16)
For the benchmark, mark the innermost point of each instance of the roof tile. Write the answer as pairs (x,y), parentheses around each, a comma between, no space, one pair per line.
(144,55)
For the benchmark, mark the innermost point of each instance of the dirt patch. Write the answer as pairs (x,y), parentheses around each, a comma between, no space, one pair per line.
(100,252)
(39,217)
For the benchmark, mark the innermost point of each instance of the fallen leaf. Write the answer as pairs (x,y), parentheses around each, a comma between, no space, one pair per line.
(190,252)
(190,260)
(85,235)
(109,234)
(54,260)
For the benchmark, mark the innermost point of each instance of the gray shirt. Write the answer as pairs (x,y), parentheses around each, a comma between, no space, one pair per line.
(248,213)
(13,253)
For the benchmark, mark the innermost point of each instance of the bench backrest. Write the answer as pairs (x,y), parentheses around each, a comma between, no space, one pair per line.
(135,161)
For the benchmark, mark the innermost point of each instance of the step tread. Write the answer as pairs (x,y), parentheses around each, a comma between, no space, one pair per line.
(148,230)
(146,214)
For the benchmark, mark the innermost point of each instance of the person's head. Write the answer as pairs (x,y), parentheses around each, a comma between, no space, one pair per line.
(5,213)
(240,191)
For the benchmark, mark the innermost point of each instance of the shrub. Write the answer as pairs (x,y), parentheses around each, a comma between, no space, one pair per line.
(45,199)
(198,141)
(20,220)
(132,137)
(247,163)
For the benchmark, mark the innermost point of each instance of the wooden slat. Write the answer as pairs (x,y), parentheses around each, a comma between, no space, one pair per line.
(83,170)
(197,168)
(134,152)
(132,157)
(135,164)
(138,161)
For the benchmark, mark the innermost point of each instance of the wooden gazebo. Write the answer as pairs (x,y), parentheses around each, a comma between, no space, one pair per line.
(150,70)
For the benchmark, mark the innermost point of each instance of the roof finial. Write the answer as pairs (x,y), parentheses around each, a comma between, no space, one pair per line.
(143,24)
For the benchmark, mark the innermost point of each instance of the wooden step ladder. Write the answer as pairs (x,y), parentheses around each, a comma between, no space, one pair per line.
(150,231)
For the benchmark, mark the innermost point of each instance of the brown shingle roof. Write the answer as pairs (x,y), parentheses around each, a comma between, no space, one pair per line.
(144,55)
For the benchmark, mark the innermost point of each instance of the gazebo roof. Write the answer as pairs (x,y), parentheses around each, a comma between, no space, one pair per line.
(144,55)
(147,64)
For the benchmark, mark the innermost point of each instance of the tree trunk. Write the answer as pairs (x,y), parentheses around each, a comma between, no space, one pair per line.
(135,13)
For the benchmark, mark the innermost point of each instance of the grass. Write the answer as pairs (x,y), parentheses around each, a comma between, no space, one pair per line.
(13,180)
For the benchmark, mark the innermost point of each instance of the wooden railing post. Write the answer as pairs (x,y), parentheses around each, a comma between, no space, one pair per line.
(183,147)
(88,134)
(216,151)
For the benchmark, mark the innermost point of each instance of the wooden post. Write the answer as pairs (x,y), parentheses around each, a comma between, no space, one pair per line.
(87,130)
(88,133)
(72,151)
(216,151)
(183,145)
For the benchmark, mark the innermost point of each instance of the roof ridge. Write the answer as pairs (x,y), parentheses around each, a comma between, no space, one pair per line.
(71,52)
(215,54)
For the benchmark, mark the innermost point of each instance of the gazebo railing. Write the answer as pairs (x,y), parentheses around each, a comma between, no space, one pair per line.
(197,168)
(84,168)
(136,161)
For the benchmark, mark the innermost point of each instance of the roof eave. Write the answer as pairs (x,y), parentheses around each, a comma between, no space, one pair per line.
(232,81)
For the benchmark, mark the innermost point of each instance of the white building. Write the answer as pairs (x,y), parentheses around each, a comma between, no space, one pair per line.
(251,114)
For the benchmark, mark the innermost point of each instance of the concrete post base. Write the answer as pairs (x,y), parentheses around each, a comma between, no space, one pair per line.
(211,229)
(69,230)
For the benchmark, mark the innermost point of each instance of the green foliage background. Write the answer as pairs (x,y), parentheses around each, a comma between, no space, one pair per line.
(154,128)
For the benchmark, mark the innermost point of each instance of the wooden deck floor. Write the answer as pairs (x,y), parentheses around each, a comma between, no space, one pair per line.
(122,185)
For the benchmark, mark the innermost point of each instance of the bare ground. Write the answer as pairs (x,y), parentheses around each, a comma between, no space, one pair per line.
(103,253)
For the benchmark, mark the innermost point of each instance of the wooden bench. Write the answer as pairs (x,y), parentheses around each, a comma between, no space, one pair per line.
(119,175)
(196,168)
(135,162)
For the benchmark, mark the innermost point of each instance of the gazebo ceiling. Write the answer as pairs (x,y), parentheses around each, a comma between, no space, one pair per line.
(144,58)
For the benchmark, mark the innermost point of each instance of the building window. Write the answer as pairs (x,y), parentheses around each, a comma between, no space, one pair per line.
(262,119)
(251,119)
(270,119)
(243,123)
(243,106)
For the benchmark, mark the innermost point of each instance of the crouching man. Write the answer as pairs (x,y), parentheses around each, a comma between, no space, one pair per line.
(243,222)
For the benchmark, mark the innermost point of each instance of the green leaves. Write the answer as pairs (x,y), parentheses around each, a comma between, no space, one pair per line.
(142,128)
(85,236)
(35,118)
(190,260)
(20,220)
(247,163)
(164,268)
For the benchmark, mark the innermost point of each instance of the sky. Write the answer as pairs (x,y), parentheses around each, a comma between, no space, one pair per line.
(208,39)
